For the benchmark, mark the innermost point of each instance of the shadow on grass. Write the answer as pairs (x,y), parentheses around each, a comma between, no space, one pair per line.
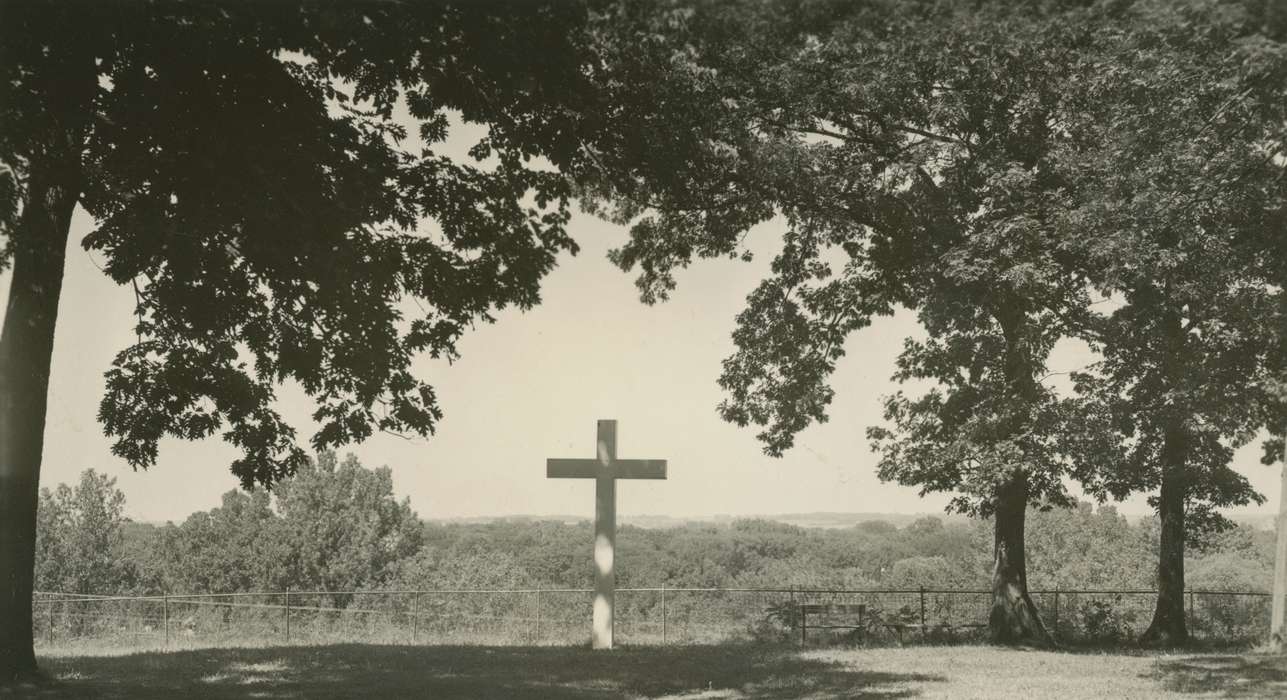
(1230,675)
(1131,648)
(374,671)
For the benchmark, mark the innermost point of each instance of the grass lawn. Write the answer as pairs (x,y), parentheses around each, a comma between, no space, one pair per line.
(707,672)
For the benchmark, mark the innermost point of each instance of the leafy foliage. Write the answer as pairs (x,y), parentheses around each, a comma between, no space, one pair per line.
(80,537)
(250,173)
(333,526)
(1070,549)
(1081,547)
(985,167)
(341,526)
(1177,219)
(247,545)
(236,545)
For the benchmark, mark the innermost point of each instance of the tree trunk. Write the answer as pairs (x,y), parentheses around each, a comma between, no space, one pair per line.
(1014,618)
(26,347)
(39,243)
(1168,626)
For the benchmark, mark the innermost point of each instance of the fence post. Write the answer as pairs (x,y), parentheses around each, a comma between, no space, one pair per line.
(794,609)
(663,614)
(165,617)
(1055,632)
(415,617)
(287,611)
(922,613)
(1191,617)
(804,625)
(51,623)
(538,616)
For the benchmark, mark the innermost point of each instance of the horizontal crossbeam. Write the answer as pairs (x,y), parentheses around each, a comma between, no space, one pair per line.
(617,469)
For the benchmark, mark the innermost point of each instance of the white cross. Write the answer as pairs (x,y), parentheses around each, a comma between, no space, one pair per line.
(605,470)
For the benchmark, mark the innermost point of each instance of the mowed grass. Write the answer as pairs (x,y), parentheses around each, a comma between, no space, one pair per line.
(707,672)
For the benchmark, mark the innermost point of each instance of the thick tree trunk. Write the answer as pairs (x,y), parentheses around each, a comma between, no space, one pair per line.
(39,244)
(1014,618)
(26,347)
(1168,626)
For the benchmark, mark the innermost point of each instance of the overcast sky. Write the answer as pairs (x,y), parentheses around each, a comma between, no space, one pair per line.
(532,386)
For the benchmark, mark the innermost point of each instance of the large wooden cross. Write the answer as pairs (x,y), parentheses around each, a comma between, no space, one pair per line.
(605,469)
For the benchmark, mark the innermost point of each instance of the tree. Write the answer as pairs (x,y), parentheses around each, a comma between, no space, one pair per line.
(908,147)
(331,526)
(944,158)
(1230,572)
(247,177)
(1178,217)
(1081,548)
(79,539)
(237,547)
(341,526)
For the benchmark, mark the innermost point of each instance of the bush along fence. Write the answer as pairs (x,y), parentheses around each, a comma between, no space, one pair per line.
(644,616)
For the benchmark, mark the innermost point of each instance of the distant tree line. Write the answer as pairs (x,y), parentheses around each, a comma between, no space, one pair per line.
(338,526)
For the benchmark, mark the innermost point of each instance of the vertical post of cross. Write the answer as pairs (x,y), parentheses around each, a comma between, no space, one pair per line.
(1278,608)
(605,469)
(605,536)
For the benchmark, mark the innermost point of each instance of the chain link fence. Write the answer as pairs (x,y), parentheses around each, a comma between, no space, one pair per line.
(644,616)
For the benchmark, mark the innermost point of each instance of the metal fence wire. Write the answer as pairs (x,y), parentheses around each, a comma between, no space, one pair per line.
(644,616)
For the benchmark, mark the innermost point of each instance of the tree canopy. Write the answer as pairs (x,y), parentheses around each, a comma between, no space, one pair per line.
(246,174)
(1176,223)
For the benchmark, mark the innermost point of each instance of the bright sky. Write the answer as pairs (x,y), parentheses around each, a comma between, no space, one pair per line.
(531,387)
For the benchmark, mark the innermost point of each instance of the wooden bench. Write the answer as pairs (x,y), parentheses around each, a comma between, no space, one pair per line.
(828,610)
